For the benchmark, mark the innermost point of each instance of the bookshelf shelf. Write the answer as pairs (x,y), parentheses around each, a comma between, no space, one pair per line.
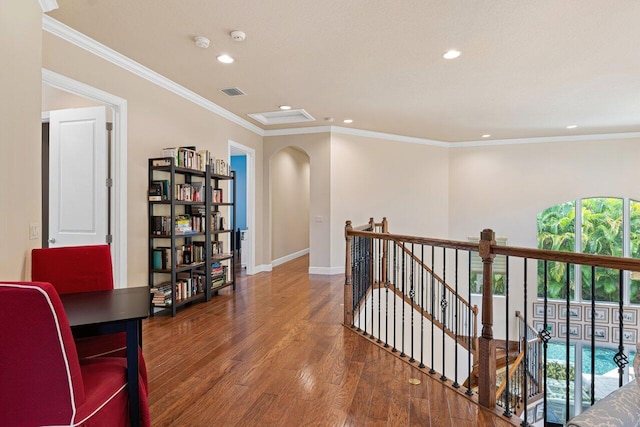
(186,228)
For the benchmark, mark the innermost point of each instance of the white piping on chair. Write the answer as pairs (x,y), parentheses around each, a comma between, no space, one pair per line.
(101,406)
(93,356)
(64,353)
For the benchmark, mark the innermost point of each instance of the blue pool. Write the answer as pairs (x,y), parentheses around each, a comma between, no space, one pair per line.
(603,357)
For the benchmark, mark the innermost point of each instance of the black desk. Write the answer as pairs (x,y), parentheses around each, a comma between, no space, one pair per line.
(117,310)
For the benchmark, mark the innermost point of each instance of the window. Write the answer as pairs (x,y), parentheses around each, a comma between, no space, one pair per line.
(608,226)
(499,269)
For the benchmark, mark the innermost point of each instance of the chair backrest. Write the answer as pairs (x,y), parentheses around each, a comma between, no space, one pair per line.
(40,377)
(73,269)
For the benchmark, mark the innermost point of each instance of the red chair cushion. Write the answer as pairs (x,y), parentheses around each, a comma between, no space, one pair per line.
(74,268)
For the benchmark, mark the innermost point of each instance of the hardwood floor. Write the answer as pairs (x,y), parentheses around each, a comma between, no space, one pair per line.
(274,353)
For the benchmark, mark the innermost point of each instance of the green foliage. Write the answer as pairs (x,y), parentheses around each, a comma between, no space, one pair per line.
(556,232)
(498,283)
(602,228)
(558,371)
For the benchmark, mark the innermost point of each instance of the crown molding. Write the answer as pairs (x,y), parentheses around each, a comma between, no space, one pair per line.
(75,37)
(298,131)
(539,140)
(48,5)
(356,132)
(389,136)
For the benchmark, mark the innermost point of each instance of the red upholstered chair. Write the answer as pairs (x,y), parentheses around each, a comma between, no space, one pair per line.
(74,269)
(42,381)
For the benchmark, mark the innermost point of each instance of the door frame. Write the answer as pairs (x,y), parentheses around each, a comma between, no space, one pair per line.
(250,153)
(118,209)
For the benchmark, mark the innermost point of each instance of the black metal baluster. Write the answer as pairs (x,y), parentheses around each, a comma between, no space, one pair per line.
(433,317)
(422,304)
(455,375)
(386,305)
(620,358)
(412,294)
(373,302)
(380,270)
(470,316)
(395,293)
(525,396)
(593,335)
(443,304)
(355,278)
(545,335)
(567,343)
(507,410)
(404,294)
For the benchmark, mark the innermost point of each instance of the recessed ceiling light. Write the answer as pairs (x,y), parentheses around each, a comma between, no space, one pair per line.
(451,54)
(486,135)
(572,126)
(225,59)
(347,121)
(285,107)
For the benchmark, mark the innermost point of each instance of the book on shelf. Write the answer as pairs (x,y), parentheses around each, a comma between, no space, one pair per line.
(161,162)
(160,225)
(217,221)
(155,192)
(183,224)
(217,195)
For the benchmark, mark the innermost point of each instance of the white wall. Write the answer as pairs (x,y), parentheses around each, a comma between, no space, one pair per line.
(407,183)
(157,118)
(317,147)
(20,134)
(290,195)
(505,187)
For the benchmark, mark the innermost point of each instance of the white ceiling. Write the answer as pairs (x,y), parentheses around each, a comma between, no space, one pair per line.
(527,69)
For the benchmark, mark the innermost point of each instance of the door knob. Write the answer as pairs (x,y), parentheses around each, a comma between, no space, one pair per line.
(52,240)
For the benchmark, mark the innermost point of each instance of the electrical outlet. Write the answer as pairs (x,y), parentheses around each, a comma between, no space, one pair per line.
(34,231)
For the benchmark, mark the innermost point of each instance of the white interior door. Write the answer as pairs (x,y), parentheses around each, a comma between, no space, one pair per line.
(78,171)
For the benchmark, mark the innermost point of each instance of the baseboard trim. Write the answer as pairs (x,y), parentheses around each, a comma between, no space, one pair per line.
(326,271)
(264,268)
(287,258)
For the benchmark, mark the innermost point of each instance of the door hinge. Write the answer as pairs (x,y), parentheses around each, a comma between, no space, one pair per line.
(109,126)
(109,238)
(109,182)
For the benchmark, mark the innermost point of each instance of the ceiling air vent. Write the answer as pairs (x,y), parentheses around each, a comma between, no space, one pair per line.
(232,91)
(282,117)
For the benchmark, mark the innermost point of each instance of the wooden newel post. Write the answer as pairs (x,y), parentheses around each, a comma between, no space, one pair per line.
(348,283)
(487,345)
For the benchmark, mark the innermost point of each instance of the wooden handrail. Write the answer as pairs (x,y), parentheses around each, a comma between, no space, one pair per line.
(435,276)
(512,370)
(630,264)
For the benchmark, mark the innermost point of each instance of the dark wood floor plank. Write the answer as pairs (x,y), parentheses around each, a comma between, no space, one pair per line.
(274,353)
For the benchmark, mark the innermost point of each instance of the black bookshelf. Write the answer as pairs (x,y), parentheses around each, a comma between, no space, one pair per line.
(187,229)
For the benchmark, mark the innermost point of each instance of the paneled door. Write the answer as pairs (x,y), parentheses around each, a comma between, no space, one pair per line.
(78,172)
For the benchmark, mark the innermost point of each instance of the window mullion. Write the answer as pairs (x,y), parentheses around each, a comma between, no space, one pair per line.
(578,249)
(626,247)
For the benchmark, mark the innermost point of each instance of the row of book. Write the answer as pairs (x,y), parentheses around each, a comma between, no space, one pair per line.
(188,254)
(186,287)
(193,253)
(191,158)
(218,275)
(185,224)
(159,190)
(189,192)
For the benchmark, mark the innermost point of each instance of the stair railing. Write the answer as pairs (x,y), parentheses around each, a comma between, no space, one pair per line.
(376,259)
(524,372)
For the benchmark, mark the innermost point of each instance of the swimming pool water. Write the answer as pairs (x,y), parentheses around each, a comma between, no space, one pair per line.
(603,357)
